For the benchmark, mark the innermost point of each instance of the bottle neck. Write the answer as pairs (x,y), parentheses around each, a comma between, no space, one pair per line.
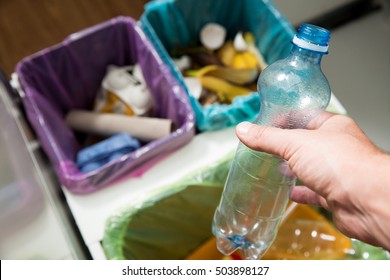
(298,53)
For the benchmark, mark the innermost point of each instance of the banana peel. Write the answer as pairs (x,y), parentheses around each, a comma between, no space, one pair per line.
(233,75)
(245,60)
(225,90)
(237,76)
(225,82)
(226,53)
(241,59)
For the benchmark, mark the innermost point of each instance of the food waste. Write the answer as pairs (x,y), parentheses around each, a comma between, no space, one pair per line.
(219,68)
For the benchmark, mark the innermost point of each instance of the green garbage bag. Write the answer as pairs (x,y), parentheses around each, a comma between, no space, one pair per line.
(175,221)
(171,223)
(172,24)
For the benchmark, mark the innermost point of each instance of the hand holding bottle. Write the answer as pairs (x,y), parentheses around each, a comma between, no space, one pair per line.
(342,170)
(292,91)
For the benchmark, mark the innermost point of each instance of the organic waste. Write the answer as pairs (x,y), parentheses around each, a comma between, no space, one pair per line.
(220,68)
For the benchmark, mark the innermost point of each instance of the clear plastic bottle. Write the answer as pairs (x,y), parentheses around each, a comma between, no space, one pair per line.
(292,91)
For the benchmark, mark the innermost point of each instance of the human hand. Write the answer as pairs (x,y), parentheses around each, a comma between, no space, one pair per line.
(343,171)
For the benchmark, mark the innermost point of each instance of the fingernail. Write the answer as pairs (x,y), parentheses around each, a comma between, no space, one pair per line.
(243,128)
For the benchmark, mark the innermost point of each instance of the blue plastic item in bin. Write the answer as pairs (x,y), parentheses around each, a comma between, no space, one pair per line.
(95,156)
(172,24)
(68,76)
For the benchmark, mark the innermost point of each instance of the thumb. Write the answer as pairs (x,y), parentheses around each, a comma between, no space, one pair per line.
(277,141)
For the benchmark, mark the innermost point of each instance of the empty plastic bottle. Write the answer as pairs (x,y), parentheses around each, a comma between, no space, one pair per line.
(292,91)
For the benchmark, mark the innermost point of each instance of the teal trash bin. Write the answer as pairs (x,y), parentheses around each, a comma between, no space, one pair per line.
(173,24)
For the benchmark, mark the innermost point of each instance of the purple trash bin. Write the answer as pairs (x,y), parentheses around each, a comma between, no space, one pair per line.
(68,75)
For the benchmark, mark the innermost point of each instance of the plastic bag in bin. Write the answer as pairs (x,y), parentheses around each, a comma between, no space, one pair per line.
(68,76)
(173,24)
(170,223)
(174,222)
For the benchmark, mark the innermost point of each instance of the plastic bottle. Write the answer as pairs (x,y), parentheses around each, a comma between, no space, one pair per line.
(292,91)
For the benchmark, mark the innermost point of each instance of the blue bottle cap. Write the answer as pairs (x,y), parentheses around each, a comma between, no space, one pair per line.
(312,37)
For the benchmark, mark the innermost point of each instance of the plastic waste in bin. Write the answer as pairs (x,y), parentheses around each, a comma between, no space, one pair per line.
(67,77)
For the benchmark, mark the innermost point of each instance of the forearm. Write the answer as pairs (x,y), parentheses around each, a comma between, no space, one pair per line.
(378,201)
